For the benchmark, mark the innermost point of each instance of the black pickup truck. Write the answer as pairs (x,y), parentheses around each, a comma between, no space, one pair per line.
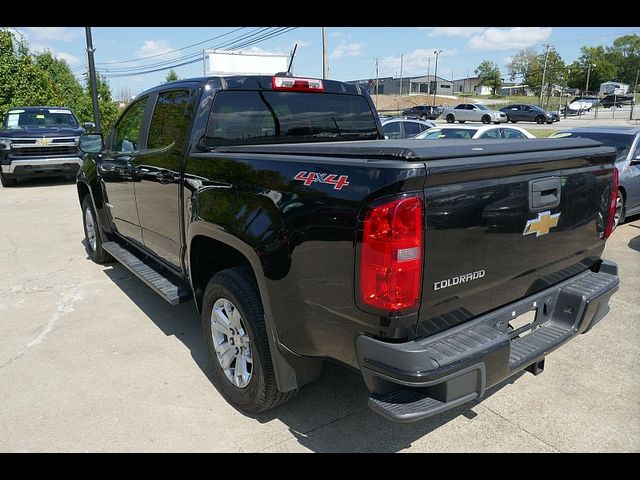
(435,270)
(39,142)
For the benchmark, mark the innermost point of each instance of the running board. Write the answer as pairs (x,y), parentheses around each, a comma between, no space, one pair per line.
(167,285)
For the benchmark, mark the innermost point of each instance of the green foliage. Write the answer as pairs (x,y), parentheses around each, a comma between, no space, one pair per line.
(489,74)
(521,64)
(42,79)
(172,76)
(554,74)
(625,54)
(605,69)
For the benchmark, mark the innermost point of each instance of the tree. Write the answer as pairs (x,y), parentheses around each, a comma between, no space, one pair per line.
(489,74)
(554,74)
(604,70)
(522,63)
(625,54)
(172,76)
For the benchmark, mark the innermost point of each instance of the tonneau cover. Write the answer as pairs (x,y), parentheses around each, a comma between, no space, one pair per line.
(416,150)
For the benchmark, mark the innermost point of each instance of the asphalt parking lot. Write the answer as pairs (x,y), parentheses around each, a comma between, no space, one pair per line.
(92,360)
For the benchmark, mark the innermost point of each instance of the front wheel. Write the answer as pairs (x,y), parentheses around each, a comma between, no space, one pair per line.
(486,119)
(450,118)
(236,338)
(93,242)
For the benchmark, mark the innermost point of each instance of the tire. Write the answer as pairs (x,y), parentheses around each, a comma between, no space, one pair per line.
(424,117)
(514,121)
(8,182)
(259,391)
(92,238)
(450,118)
(486,119)
(539,119)
(621,211)
(549,122)
(461,121)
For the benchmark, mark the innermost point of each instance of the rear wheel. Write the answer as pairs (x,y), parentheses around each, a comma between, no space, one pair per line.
(461,121)
(236,338)
(450,118)
(92,239)
(540,119)
(424,117)
(486,119)
(8,182)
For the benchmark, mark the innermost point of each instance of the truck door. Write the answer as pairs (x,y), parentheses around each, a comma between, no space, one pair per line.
(117,171)
(159,172)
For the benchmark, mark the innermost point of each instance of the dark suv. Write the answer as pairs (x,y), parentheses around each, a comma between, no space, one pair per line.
(39,141)
(423,111)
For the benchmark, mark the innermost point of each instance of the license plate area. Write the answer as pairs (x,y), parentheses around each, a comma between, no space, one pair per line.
(523,324)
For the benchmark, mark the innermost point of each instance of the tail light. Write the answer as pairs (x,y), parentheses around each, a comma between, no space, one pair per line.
(391,256)
(297,84)
(612,204)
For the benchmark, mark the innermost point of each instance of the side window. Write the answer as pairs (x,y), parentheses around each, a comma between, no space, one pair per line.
(392,130)
(169,123)
(411,129)
(510,133)
(491,134)
(126,132)
(462,106)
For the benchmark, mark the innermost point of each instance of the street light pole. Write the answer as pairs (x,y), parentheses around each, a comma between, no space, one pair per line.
(435,76)
(544,72)
(92,80)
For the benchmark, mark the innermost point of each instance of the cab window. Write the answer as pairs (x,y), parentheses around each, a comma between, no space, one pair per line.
(126,133)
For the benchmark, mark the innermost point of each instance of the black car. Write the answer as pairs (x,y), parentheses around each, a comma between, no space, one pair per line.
(529,113)
(617,100)
(423,111)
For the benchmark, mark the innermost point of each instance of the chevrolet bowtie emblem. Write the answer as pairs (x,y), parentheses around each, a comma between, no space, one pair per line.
(44,141)
(542,224)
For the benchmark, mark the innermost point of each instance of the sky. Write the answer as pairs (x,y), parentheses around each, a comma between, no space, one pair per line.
(352,51)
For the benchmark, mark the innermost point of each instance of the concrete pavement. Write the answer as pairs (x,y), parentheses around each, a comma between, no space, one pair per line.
(92,360)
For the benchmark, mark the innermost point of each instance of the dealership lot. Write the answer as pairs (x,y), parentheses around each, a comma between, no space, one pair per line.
(91,359)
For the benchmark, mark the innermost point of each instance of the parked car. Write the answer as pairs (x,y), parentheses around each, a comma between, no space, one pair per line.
(472,133)
(395,128)
(626,141)
(39,142)
(473,112)
(529,113)
(424,112)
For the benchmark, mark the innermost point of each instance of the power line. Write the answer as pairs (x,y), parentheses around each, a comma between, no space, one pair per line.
(171,51)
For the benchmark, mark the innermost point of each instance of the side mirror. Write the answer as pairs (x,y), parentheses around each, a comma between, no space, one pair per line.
(91,143)
(636,160)
(89,125)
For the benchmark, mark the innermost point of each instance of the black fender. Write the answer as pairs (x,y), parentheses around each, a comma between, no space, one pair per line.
(291,370)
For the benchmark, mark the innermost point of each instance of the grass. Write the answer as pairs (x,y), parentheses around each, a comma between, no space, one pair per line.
(542,133)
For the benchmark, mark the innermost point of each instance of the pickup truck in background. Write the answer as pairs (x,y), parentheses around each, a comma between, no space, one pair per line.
(436,269)
(39,142)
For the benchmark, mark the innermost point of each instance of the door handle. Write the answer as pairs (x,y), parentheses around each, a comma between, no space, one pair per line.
(544,193)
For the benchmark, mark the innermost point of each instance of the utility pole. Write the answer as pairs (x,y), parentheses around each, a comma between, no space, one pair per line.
(377,84)
(633,99)
(401,62)
(325,64)
(92,80)
(586,89)
(544,71)
(435,76)
(428,80)
(204,68)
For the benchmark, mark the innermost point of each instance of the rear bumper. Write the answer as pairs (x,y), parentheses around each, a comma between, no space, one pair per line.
(417,379)
(41,166)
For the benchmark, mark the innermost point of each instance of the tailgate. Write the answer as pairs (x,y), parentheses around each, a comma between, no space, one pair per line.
(502,227)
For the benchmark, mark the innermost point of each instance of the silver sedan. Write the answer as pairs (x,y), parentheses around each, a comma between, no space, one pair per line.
(473,112)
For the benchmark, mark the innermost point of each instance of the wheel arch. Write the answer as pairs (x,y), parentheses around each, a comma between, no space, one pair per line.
(291,370)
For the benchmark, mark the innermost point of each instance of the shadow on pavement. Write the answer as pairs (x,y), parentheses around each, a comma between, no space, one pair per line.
(45,181)
(635,243)
(338,394)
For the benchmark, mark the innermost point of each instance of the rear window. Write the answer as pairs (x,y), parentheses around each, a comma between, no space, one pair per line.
(437,133)
(259,117)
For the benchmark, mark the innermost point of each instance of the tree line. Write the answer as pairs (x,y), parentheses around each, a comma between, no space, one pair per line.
(618,62)
(41,79)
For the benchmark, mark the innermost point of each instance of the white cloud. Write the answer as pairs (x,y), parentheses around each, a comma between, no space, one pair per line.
(57,34)
(347,50)
(157,47)
(511,38)
(415,63)
(67,57)
(335,35)
(302,44)
(453,31)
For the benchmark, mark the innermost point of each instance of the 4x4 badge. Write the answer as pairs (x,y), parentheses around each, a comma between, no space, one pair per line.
(542,224)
